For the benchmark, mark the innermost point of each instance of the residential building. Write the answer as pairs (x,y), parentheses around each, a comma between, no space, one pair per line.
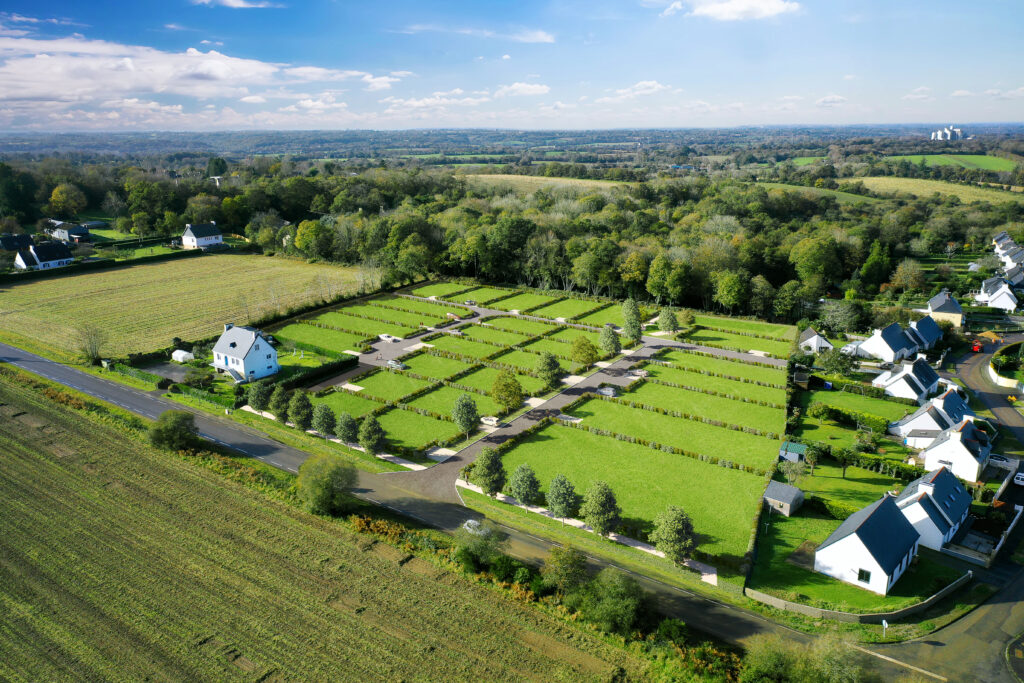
(9,242)
(201,236)
(71,233)
(811,341)
(871,549)
(914,380)
(943,306)
(783,498)
(924,332)
(890,344)
(936,505)
(44,256)
(997,293)
(1014,275)
(922,427)
(245,354)
(792,451)
(1014,256)
(963,448)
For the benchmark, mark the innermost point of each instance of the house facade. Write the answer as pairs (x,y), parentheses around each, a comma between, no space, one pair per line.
(201,236)
(997,293)
(914,380)
(890,344)
(943,306)
(245,354)
(936,505)
(925,333)
(44,256)
(963,449)
(783,498)
(811,341)
(922,427)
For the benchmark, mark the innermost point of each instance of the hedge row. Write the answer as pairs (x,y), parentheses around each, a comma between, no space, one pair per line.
(203,395)
(486,361)
(688,416)
(743,333)
(341,364)
(846,416)
(762,364)
(142,375)
(712,392)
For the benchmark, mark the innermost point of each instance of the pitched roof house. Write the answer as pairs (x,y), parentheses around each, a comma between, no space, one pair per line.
(245,354)
(784,498)
(910,380)
(963,449)
(9,242)
(44,256)
(201,236)
(997,293)
(936,504)
(924,425)
(1014,275)
(943,306)
(1013,256)
(890,344)
(811,341)
(792,451)
(1001,238)
(925,332)
(871,549)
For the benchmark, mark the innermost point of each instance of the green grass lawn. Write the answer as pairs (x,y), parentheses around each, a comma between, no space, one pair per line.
(412,430)
(834,434)
(483,379)
(463,347)
(296,361)
(646,481)
(773,574)
(389,386)
(859,488)
(559,348)
(783,332)
(129,253)
(110,235)
(407,319)
(530,327)
(719,384)
(728,340)
(568,308)
(331,340)
(522,302)
(890,410)
(341,401)
(524,360)
(481,295)
(982,161)
(697,437)
(438,289)
(570,334)
(805,161)
(921,187)
(371,328)
(713,407)
(442,400)
(489,334)
(437,367)
(725,366)
(429,308)
(613,314)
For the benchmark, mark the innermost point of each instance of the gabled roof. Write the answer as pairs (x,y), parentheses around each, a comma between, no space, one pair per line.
(930,410)
(236,341)
(968,434)
(944,303)
(924,372)
(1013,272)
(201,230)
(52,251)
(27,258)
(894,337)
(953,405)
(927,329)
(15,242)
(783,493)
(993,285)
(808,334)
(1001,236)
(949,494)
(883,530)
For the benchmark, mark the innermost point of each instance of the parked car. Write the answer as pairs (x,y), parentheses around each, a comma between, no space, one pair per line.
(470,302)
(1018,479)
(389,338)
(489,420)
(474,527)
(995,457)
(397,365)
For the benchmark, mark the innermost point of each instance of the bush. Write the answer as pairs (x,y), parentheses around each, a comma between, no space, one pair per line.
(323,484)
(613,601)
(174,430)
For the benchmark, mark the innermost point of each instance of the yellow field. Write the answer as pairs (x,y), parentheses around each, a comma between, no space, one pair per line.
(926,188)
(526,183)
(144,307)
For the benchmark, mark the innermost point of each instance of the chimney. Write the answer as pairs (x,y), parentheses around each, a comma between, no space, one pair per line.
(228,326)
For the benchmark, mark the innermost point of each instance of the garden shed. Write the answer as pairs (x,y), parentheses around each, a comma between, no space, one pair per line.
(182,356)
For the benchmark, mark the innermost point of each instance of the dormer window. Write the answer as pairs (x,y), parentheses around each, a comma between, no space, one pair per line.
(232,344)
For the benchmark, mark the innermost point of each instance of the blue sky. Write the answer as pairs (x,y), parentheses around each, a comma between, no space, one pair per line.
(301,64)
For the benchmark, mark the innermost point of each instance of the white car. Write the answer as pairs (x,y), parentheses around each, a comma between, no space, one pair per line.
(474,527)
(397,365)
(1018,479)
(489,420)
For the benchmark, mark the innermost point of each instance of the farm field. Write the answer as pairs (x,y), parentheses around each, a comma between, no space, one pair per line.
(213,579)
(529,327)
(890,410)
(412,430)
(720,384)
(522,183)
(356,325)
(814,192)
(725,366)
(387,385)
(437,367)
(483,379)
(982,161)
(342,401)
(714,407)
(728,340)
(646,481)
(479,294)
(463,347)
(763,329)
(920,187)
(330,340)
(438,289)
(696,437)
(489,334)
(442,400)
(207,292)
(568,308)
(522,302)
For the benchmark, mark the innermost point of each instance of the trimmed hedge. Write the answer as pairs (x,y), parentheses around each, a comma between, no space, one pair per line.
(850,417)
(141,375)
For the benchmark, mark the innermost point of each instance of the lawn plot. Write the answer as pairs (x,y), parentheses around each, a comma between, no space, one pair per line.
(437,367)
(738,342)
(763,329)
(689,435)
(713,407)
(483,379)
(567,308)
(341,401)
(411,430)
(371,328)
(512,324)
(982,161)
(859,487)
(920,187)
(334,341)
(570,334)
(429,308)
(524,360)
(463,346)
(389,386)
(442,401)
(890,410)
(438,289)
(725,366)
(188,298)
(646,481)
(481,295)
(613,314)
(489,334)
(559,348)
(122,562)
(720,384)
(522,302)
(404,318)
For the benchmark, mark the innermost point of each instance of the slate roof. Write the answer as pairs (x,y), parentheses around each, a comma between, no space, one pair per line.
(1013,272)
(927,329)
(924,372)
(944,303)
(52,251)
(928,409)
(783,493)
(793,447)
(27,258)
(945,504)
(237,341)
(809,333)
(895,338)
(992,285)
(883,530)
(201,230)
(973,439)
(1002,236)
(15,242)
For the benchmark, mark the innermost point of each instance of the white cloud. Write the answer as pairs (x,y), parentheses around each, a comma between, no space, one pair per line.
(524,35)
(961,93)
(732,10)
(175,27)
(791,98)
(830,101)
(238,4)
(638,89)
(850,77)
(437,101)
(1006,94)
(402,74)
(253,99)
(317,73)
(518,88)
(322,103)
(218,43)
(506,57)
(919,93)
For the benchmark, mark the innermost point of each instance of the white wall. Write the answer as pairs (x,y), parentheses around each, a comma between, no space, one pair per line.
(961,462)
(930,536)
(844,558)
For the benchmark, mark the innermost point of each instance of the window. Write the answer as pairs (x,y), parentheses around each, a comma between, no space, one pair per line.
(864,576)
(268,356)
(257,347)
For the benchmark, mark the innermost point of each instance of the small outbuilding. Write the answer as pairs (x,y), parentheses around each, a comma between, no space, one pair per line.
(783,497)
(182,356)
(811,340)
(794,452)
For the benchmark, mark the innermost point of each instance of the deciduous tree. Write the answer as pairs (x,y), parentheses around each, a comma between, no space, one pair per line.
(324,420)
(507,391)
(667,321)
(565,568)
(465,414)
(523,484)
(174,430)
(549,369)
(673,534)
(347,429)
(562,498)
(300,410)
(489,471)
(584,352)
(600,509)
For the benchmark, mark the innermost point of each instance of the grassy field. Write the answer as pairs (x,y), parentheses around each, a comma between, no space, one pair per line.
(389,386)
(741,342)
(438,289)
(480,294)
(187,298)
(859,487)
(344,402)
(646,481)
(521,183)
(720,384)
(489,334)
(364,326)
(412,430)
(463,347)
(805,161)
(408,319)
(763,329)
(121,562)
(982,161)
(483,379)
(725,366)
(434,310)
(926,188)
(569,335)
(442,401)
(815,192)
(331,340)
(613,314)
(524,360)
(568,308)
(714,407)
(530,327)
(522,302)
(559,348)
(890,410)
(697,437)
(437,367)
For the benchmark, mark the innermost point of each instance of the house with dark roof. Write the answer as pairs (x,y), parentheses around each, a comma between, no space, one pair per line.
(245,354)
(871,549)
(201,236)
(922,427)
(9,242)
(914,380)
(71,233)
(783,497)
(44,256)
(997,293)
(925,333)
(1014,275)
(1012,256)
(936,504)
(890,344)
(943,306)
(811,341)
(1002,237)
(963,448)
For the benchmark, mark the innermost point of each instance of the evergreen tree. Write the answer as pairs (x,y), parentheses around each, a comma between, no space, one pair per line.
(549,369)
(465,414)
(631,321)
(562,499)
(323,419)
(347,429)
(667,321)
(300,410)
(258,395)
(278,405)
(609,341)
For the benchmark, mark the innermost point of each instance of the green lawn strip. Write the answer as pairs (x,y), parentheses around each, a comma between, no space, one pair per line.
(559,348)
(463,347)
(890,410)
(859,488)
(567,308)
(725,366)
(610,314)
(412,430)
(697,437)
(569,335)
(481,295)
(783,332)
(389,386)
(740,342)
(522,302)
(442,400)
(836,435)
(402,318)
(331,340)
(774,575)
(646,481)
(714,407)
(371,328)
(523,360)
(529,327)
(341,401)
(129,254)
(489,334)
(719,384)
(982,161)
(438,289)
(483,379)
(429,308)
(437,367)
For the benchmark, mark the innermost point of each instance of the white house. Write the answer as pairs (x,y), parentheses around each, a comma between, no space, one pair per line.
(871,549)
(922,427)
(997,293)
(1014,275)
(963,449)
(924,332)
(1013,256)
(1001,238)
(245,354)
(890,344)
(942,306)
(811,341)
(201,236)
(936,505)
(44,256)
(910,380)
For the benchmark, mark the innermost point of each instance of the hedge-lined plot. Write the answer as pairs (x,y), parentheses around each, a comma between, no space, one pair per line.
(524,360)
(371,328)
(442,401)
(481,295)
(389,386)
(569,335)
(740,342)
(483,379)
(613,314)
(865,404)
(489,334)
(558,348)
(713,407)
(437,367)
(522,302)
(567,308)
(440,311)
(530,327)
(721,385)
(341,401)
(725,366)
(334,341)
(463,346)
(758,327)
(407,429)
(404,318)
(438,289)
